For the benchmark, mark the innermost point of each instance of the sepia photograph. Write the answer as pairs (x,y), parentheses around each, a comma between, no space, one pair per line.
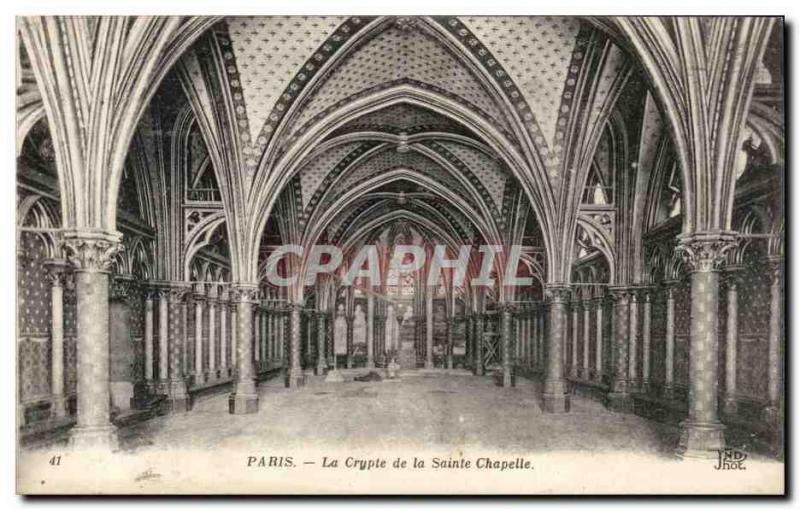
(400,255)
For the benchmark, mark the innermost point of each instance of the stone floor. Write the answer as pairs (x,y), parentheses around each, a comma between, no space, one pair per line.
(430,411)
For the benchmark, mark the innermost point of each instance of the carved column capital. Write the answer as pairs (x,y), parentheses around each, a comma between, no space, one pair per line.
(56,271)
(177,291)
(245,292)
(91,250)
(122,287)
(558,293)
(619,293)
(706,251)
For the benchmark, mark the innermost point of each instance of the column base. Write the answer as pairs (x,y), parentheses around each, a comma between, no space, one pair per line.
(199,379)
(295,378)
(94,438)
(730,407)
(319,369)
(700,440)
(449,363)
(507,379)
(770,415)
(478,370)
(177,404)
(334,376)
(428,364)
(669,392)
(555,398)
(239,403)
(349,362)
(58,407)
(619,402)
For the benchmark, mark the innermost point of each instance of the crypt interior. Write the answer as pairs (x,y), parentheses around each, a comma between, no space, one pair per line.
(638,162)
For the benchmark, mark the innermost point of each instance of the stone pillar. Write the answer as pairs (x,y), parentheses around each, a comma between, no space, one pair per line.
(646,323)
(163,336)
(177,396)
(55,270)
(234,333)
(295,377)
(148,339)
(505,346)
(244,399)
(321,364)
(541,341)
(702,432)
(212,332)
(598,354)
(619,398)
(429,327)
(587,320)
(729,403)
(468,338)
(266,355)
(256,340)
(91,253)
(573,372)
(479,344)
(451,324)
(531,321)
(370,330)
(350,320)
(555,396)
(772,413)
(199,296)
(669,344)
(223,332)
(633,375)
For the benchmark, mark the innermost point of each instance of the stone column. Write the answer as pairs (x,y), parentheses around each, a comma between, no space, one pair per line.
(321,364)
(646,322)
(429,327)
(294,374)
(587,314)
(555,396)
(266,355)
(212,332)
(576,305)
(505,346)
(479,344)
(729,403)
(55,270)
(598,354)
(451,324)
(244,399)
(223,332)
(533,321)
(702,432)
(619,398)
(772,413)
(633,375)
(177,396)
(163,335)
(234,333)
(148,339)
(370,330)
(256,340)
(542,343)
(199,296)
(350,320)
(468,325)
(669,343)
(90,253)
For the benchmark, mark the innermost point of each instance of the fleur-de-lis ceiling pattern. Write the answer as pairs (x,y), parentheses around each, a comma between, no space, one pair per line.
(269,53)
(536,53)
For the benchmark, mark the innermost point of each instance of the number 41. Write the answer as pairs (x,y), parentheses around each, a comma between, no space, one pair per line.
(55,460)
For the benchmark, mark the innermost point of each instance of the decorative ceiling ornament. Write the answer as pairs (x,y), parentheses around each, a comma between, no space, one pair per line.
(406,23)
(402,145)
